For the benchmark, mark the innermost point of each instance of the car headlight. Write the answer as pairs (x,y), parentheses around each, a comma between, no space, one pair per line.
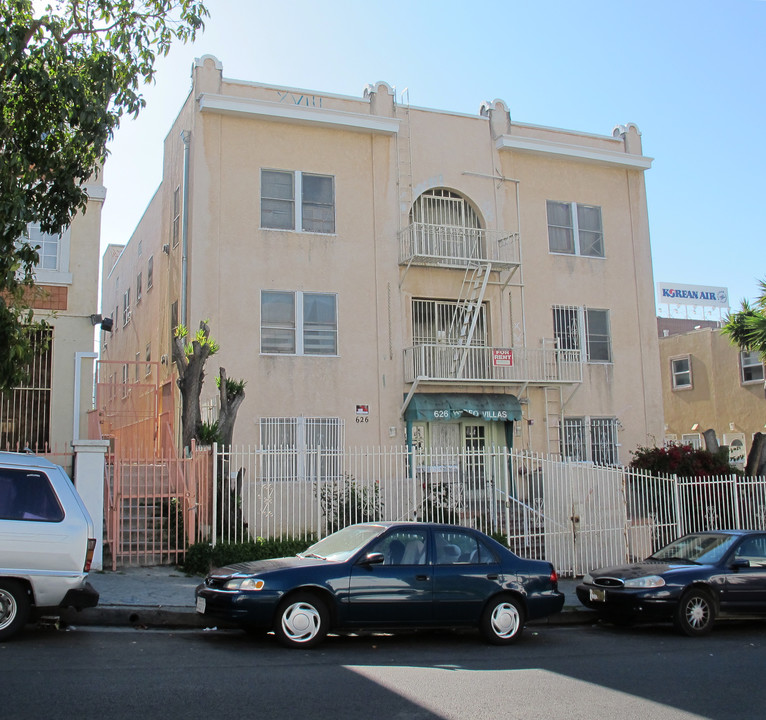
(587,579)
(244,584)
(650,581)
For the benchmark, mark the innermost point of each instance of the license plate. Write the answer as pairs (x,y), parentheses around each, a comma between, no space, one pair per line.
(597,595)
(201,605)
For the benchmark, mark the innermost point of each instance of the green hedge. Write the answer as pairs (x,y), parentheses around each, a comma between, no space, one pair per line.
(202,557)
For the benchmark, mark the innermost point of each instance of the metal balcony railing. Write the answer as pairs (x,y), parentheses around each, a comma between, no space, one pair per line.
(458,363)
(452,246)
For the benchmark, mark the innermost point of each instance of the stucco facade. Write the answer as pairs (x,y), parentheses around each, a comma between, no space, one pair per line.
(378,266)
(707,383)
(51,411)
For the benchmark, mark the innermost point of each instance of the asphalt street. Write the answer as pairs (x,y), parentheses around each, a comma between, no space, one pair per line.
(583,672)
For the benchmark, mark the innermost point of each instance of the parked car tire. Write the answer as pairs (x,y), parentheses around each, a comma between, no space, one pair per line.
(503,620)
(302,621)
(14,608)
(695,613)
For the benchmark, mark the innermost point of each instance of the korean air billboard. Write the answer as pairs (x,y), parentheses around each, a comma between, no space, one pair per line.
(701,295)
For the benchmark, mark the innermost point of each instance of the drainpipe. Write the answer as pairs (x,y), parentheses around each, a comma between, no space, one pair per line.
(185,137)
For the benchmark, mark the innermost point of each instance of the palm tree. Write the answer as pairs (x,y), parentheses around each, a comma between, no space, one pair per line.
(747,328)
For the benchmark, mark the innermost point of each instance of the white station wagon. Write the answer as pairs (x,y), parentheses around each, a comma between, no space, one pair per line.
(47,541)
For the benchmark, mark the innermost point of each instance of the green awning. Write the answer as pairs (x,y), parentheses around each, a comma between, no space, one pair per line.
(447,407)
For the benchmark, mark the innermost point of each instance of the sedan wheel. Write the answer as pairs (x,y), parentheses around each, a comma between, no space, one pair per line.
(502,621)
(302,621)
(14,608)
(695,613)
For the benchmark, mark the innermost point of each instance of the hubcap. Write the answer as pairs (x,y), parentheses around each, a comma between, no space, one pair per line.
(301,622)
(505,620)
(8,609)
(697,613)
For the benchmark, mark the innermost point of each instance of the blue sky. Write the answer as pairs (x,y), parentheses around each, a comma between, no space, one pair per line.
(689,74)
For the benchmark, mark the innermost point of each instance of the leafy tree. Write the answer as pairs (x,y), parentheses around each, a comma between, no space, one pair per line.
(231,393)
(69,70)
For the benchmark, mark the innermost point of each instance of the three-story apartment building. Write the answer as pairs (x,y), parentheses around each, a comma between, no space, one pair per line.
(380,273)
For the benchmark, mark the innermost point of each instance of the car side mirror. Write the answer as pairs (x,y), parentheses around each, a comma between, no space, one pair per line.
(740,563)
(373,558)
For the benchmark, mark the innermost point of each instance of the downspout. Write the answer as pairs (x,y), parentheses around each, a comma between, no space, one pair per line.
(186,138)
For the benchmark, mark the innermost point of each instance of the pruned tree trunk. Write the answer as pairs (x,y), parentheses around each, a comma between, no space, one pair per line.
(191,375)
(756,458)
(229,406)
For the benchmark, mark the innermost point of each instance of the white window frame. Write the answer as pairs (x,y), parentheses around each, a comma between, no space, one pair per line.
(676,375)
(150,273)
(693,439)
(139,287)
(576,233)
(297,203)
(58,275)
(590,439)
(572,324)
(126,308)
(300,328)
(749,362)
(175,227)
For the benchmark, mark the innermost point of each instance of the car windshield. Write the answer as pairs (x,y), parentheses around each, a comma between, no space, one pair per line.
(701,548)
(341,545)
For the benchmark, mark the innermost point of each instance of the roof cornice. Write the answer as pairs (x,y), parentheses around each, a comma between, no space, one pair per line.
(538,146)
(299,114)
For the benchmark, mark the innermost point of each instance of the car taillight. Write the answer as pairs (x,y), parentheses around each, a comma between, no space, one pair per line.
(554,579)
(89,554)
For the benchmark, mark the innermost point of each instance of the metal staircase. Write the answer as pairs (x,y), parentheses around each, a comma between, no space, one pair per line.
(553,418)
(467,313)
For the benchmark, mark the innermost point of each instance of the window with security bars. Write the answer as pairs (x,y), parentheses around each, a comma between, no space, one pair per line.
(603,441)
(583,329)
(590,439)
(440,321)
(575,229)
(315,210)
(302,448)
(25,411)
(446,225)
(299,323)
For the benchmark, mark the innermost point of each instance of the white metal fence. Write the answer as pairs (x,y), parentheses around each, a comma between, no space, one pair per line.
(576,515)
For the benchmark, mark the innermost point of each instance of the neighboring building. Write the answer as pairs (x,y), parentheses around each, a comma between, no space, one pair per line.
(51,412)
(708,383)
(380,273)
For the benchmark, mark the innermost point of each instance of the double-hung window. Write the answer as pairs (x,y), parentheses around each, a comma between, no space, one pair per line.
(126,308)
(291,200)
(583,329)
(299,323)
(752,366)
(681,372)
(575,229)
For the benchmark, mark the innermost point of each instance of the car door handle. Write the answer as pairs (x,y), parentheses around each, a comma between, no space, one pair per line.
(492,576)
(421,577)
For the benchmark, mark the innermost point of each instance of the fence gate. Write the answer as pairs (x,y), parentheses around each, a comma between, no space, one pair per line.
(156,507)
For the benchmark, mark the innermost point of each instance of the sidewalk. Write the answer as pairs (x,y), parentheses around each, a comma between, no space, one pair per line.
(163,596)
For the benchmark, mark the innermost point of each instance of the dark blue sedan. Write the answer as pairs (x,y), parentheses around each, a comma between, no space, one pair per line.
(691,581)
(385,576)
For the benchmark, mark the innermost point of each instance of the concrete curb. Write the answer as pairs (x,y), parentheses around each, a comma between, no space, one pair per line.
(145,616)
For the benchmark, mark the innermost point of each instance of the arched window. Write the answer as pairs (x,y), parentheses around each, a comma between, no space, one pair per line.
(446,228)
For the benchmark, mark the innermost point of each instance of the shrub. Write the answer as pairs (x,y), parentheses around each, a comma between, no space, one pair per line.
(201,557)
(682,460)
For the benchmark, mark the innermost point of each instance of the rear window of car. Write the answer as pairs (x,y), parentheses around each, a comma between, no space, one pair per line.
(28,495)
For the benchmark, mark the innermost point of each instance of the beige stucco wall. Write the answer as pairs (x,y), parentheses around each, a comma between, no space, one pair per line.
(230,259)
(718,398)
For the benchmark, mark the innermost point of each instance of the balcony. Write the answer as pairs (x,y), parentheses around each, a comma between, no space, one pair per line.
(457,247)
(441,363)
